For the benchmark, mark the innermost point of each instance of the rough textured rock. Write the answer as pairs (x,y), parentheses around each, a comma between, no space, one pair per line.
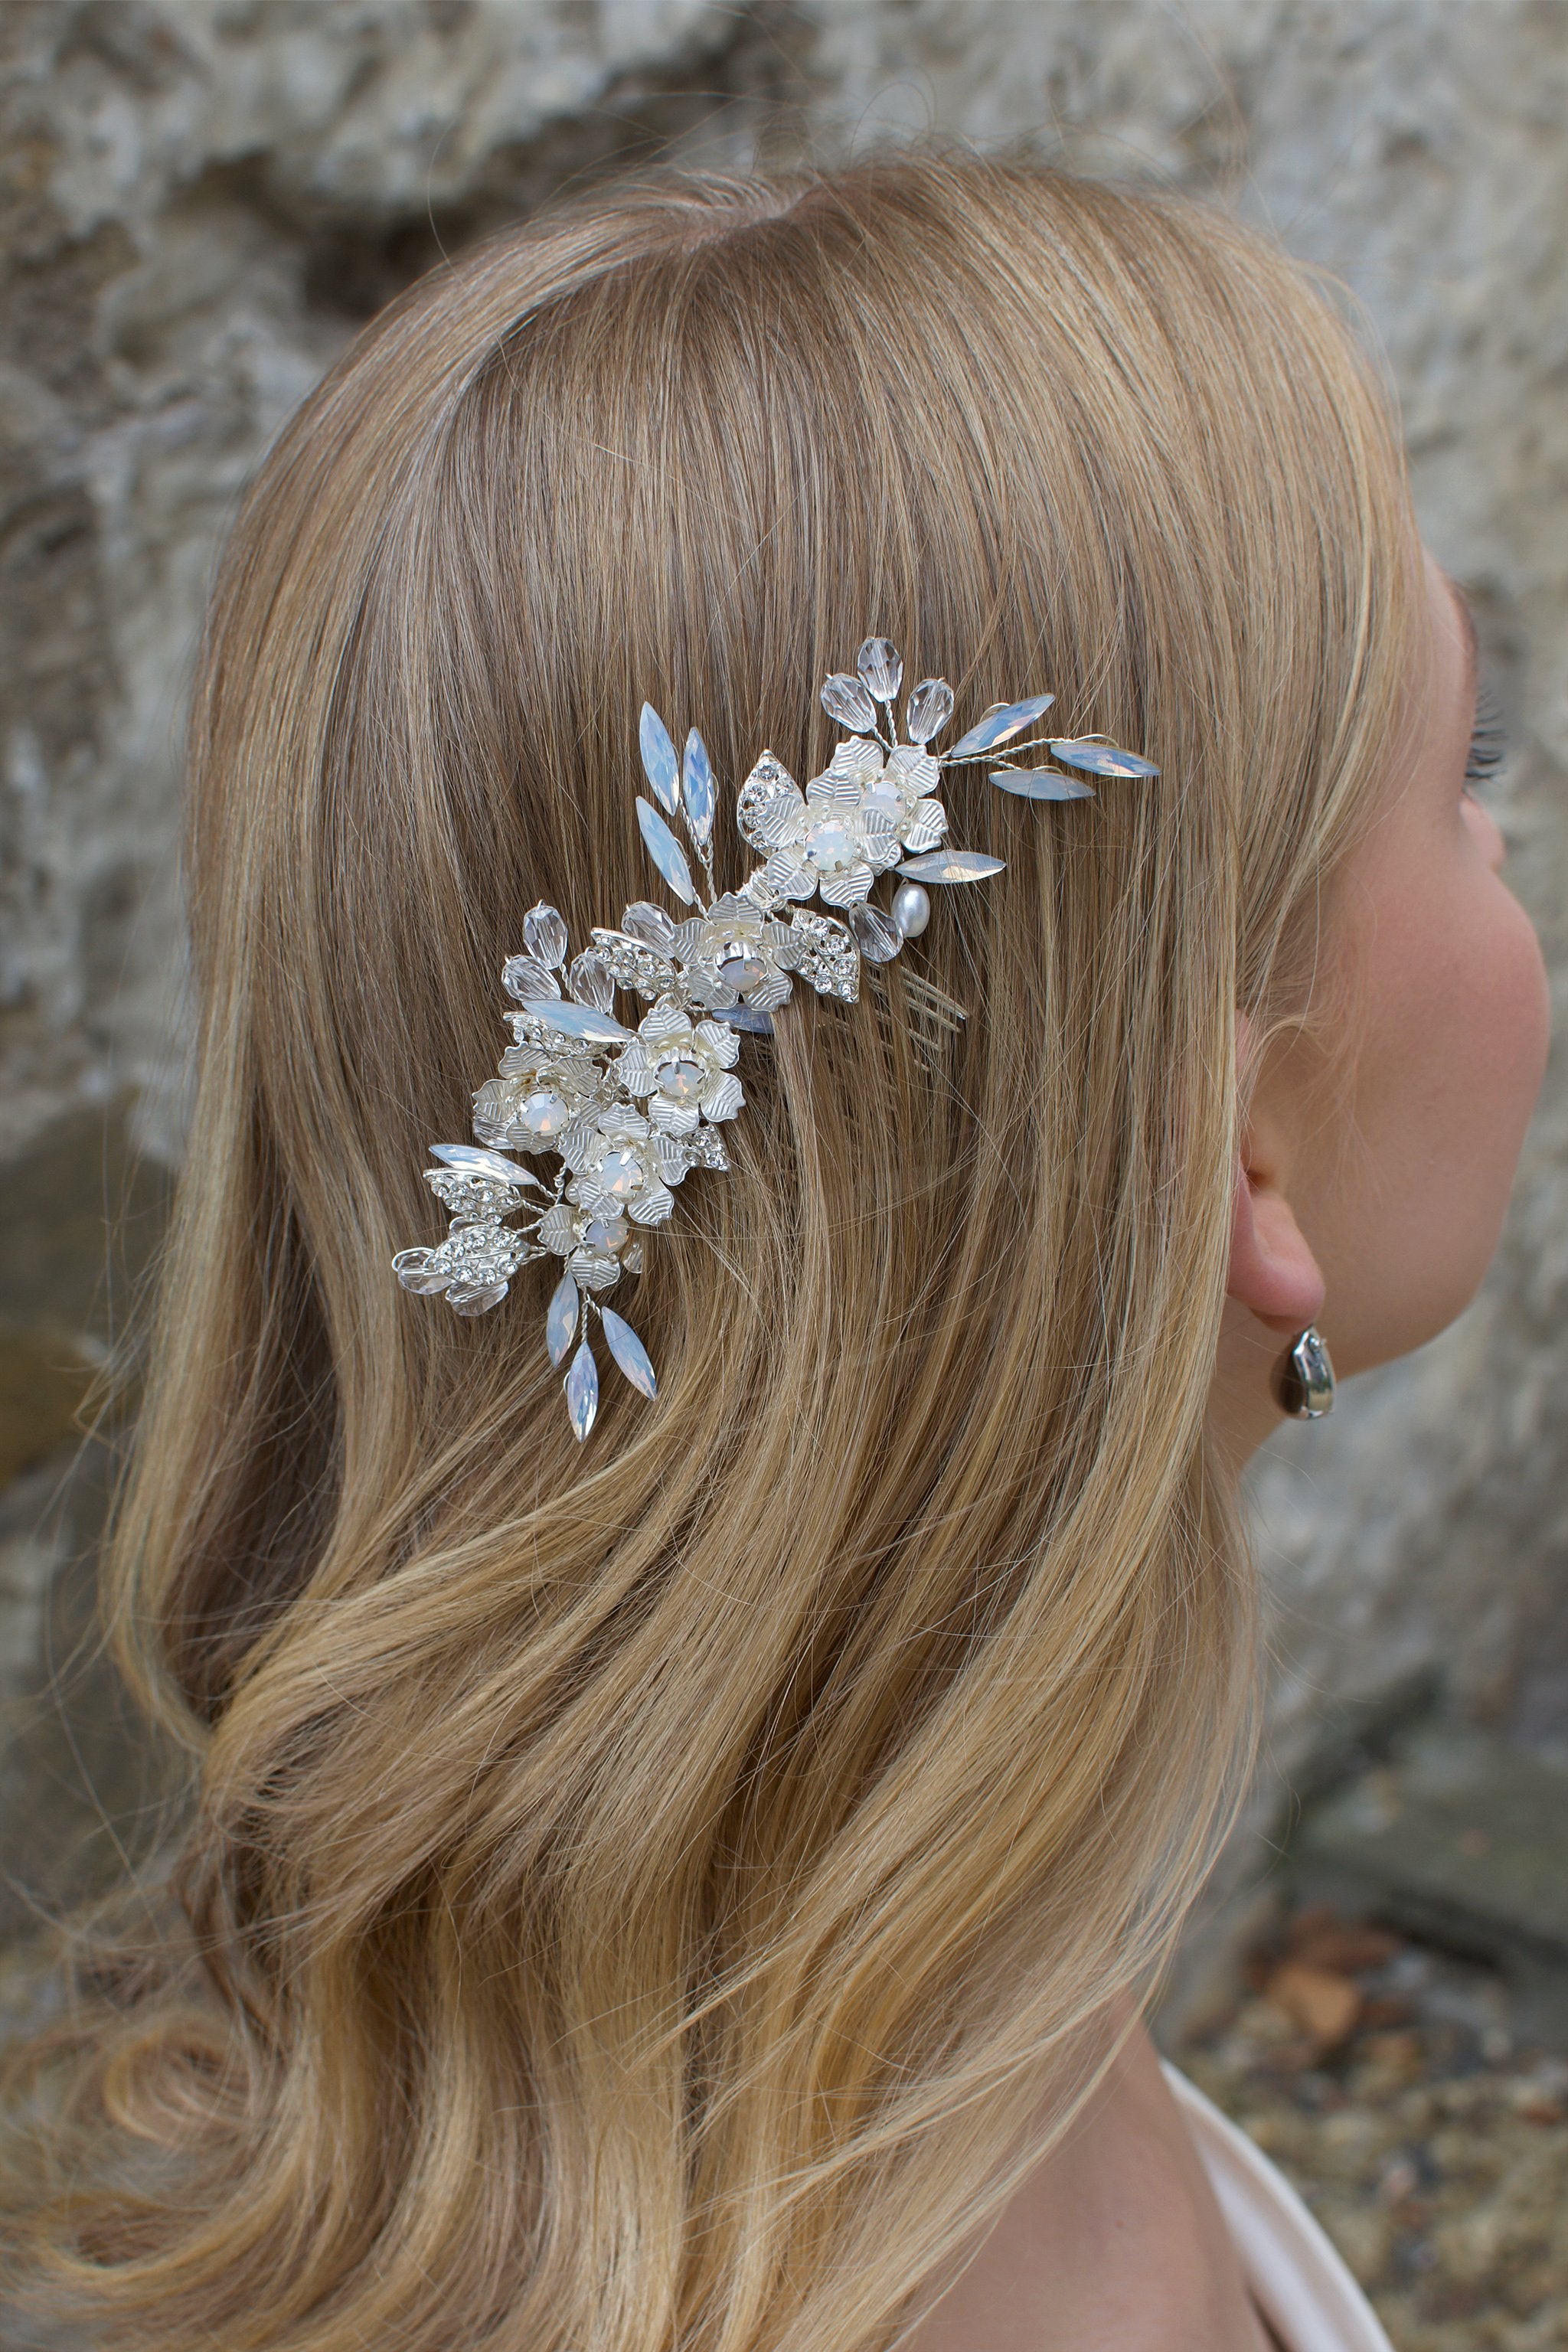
(200,200)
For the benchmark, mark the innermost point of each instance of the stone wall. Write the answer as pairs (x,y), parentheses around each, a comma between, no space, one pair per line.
(202,199)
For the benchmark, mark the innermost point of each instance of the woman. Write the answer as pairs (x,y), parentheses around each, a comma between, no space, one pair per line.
(694,1884)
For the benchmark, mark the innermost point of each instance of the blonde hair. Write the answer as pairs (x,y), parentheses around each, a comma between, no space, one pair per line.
(661,1893)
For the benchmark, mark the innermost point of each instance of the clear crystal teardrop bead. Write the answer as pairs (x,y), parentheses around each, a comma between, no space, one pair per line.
(929,708)
(875,935)
(881,668)
(589,980)
(524,977)
(846,699)
(650,924)
(544,935)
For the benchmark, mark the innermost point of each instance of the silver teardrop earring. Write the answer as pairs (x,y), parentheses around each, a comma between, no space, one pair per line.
(1304,1377)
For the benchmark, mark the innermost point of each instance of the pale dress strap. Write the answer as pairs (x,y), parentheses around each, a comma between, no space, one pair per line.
(1296,2280)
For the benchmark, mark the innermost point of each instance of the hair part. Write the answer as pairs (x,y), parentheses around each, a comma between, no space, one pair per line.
(663,1893)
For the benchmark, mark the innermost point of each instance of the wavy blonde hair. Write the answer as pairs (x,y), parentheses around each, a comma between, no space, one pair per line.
(661,1893)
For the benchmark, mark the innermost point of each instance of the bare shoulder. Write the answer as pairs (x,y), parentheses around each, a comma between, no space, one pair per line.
(1114,2240)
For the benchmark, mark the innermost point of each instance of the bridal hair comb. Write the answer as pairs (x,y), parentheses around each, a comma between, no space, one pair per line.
(627,1113)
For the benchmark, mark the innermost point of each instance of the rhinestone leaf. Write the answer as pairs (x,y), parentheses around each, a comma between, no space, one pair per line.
(476,1298)
(881,668)
(997,726)
(820,949)
(950,866)
(846,699)
(650,924)
(704,1150)
(659,760)
(560,1320)
(631,963)
(929,708)
(544,936)
(584,1021)
(1102,759)
(875,935)
(628,1352)
(1042,784)
(768,788)
(474,1159)
(590,982)
(666,852)
(582,1392)
(524,977)
(697,789)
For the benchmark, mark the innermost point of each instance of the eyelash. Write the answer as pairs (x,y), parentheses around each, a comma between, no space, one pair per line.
(1489,739)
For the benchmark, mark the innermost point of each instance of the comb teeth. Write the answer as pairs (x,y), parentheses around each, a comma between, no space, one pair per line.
(932,1020)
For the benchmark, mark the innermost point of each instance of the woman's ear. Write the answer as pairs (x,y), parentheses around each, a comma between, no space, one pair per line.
(1273,1273)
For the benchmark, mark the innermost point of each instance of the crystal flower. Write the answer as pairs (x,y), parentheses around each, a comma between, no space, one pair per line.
(537,1096)
(682,1068)
(852,823)
(730,955)
(623,1166)
(592,1244)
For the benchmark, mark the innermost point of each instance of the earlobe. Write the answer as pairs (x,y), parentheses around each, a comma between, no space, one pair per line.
(1273,1273)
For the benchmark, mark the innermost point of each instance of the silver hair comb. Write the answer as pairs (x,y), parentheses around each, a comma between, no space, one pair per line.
(628,1113)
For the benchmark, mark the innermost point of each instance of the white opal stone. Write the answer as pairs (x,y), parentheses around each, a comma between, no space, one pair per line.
(620,1175)
(831,845)
(605,1233)
(544,1115)
(682,1079)
(885,800)
(739,965)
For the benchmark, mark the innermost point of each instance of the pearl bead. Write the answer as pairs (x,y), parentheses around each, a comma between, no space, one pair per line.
(911,909)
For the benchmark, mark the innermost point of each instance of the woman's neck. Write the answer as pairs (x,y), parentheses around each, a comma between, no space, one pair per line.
(1113,2243)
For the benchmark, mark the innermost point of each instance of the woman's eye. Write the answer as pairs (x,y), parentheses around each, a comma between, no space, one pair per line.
(1489,739)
